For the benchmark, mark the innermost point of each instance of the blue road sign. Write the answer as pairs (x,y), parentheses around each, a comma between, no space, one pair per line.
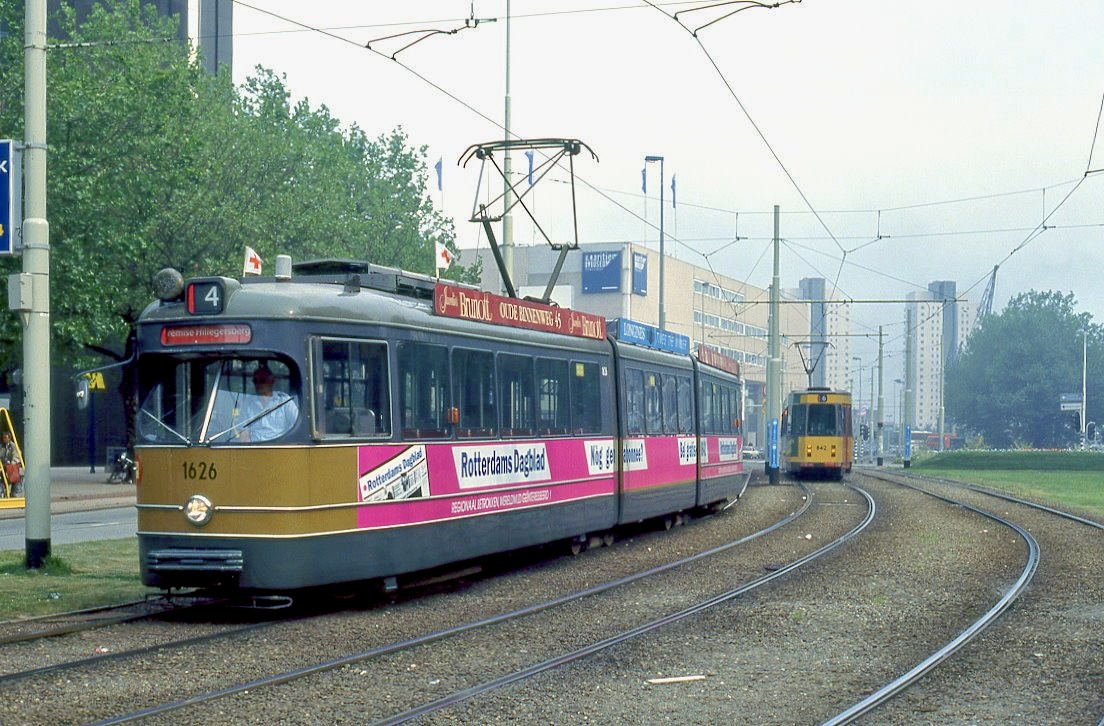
(772,445)
(7,198)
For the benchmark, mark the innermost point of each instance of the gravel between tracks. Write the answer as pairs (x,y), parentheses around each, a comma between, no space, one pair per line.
(806,648)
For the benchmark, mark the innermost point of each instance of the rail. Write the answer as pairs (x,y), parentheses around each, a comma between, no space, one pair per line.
(899,684)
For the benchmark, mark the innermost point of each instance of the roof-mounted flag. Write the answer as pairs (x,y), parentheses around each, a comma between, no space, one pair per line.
(252,262)
(443,257)
(440,169)
(529,154)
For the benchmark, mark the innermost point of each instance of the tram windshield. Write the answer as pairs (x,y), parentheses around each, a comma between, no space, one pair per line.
(817,419)
(217,401)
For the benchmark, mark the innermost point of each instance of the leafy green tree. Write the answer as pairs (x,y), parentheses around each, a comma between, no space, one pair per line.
(1007,383)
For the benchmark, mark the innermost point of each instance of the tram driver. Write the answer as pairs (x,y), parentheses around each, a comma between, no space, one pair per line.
(282,409)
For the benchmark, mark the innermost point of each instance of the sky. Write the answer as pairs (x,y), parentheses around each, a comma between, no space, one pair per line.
(902,142)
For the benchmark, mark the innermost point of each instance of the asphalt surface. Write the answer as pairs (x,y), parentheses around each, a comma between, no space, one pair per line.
(76,489)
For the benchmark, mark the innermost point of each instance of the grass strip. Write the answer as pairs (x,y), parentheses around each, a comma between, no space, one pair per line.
(74,577)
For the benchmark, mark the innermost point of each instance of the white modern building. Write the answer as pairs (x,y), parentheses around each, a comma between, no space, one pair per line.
(940,326)
(827,349)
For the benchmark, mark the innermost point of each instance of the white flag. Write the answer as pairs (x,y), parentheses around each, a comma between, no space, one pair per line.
(252,262)
(444,257)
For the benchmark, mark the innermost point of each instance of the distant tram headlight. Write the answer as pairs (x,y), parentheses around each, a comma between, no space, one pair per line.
(198,510)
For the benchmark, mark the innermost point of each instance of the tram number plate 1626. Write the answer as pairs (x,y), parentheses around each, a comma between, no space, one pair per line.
(202,471)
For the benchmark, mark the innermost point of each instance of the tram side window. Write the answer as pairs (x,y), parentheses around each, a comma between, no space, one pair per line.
(474,388)
(517,394)
(634,402)
(722,420)
(670,404)
(685,405)
(352,396)
(798,417)
(586,398)
(707,405)
(653,403)
(423,390)
(731,409)
(553,410)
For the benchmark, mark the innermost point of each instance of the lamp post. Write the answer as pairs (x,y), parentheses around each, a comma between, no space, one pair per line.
(899,413)
(507,192)
(942,365)
(662,310)
(1084,371)
(870,427)
(859,399)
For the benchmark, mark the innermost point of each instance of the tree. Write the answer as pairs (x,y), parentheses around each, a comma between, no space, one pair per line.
(1007,383)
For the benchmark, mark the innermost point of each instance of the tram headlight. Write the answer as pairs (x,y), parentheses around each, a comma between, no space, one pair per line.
(168,284)
(198,509)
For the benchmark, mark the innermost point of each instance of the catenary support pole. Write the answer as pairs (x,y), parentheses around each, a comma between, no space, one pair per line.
(908,408)
(33,299)
(880,442)
(774,372)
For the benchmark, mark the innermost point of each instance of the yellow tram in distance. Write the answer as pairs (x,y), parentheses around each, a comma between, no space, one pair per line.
(817,440)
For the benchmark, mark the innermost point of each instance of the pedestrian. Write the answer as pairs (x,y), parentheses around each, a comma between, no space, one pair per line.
(13,465)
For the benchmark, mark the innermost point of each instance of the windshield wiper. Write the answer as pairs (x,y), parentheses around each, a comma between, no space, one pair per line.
(168,428)
(248,422)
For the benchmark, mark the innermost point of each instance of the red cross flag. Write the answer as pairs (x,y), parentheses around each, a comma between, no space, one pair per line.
(252,262)
(444,257)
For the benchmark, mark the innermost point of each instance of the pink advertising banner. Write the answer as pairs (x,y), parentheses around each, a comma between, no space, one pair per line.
(414,483)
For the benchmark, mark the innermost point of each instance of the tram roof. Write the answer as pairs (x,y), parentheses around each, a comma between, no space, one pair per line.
(342,291)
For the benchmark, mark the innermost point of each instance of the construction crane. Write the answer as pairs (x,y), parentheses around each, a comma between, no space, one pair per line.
(985,308)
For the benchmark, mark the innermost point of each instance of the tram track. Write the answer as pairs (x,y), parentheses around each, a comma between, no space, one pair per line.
(903,617)
(1043,661)
(628,635)
(898,685)
(77,621)
(160,619)
(411,613)
(786,655)
(392,679)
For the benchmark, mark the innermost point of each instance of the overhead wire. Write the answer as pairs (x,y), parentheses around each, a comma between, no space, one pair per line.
(1096,131)
(1033,234)
(742,5)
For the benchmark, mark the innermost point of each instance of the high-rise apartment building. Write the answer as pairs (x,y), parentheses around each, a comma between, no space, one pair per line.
(828,350)
(940,326)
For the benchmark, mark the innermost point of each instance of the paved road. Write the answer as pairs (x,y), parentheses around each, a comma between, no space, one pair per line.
(73,527)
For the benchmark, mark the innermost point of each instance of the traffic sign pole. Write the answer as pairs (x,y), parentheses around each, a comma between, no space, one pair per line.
(11,192)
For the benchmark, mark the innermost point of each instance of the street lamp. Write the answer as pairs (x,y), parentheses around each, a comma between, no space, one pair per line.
(899,412)
(859,399)
(1084,371)
(662,310)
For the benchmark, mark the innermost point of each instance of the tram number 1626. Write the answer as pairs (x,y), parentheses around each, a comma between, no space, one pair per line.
(201,471)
